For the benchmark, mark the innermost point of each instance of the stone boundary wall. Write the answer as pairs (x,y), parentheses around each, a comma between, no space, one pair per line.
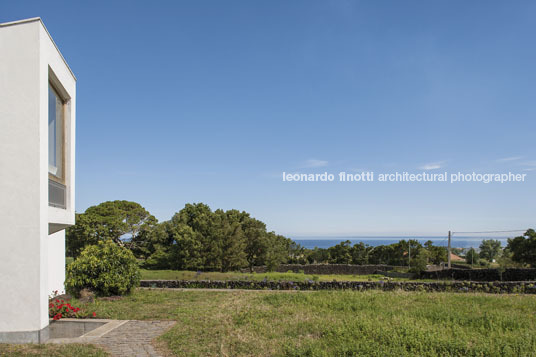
(481,274)
(333,269)
(497,287)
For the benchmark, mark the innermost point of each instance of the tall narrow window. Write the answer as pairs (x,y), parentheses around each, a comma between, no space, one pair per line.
(55,133)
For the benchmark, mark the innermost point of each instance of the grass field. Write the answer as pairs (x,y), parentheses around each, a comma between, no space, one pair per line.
(335,323)
(192,275)
(51,350)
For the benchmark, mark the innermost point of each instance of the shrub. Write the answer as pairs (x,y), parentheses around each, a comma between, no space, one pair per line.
(106,269)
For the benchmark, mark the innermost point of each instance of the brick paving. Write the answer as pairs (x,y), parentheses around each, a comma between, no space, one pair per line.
(133,338)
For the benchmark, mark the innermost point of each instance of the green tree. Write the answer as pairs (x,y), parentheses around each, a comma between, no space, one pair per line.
(123,222)
(230,240)
(277,250)
(489,249)
(341,253)
(318,255)
(257,241)
(297,253)
(359,253)
(383,254)
(436,254)
(420,261)
(523,248)
(505,260)
(472,257)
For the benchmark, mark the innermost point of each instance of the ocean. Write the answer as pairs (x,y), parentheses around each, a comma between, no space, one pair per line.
(456,241)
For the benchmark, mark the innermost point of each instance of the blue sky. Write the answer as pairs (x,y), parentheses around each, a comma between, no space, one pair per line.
(210,101)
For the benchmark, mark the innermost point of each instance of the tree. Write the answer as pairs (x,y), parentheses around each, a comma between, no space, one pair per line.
(119,221)
(277,250)
(230,240)
(359,253)
(196,238)
(420,261)
(436,254)
(505,260)
(489,249)
(523,248)
(297,253)
(382,254)
(340,253)
(256,240)
(318,255)
(472,257)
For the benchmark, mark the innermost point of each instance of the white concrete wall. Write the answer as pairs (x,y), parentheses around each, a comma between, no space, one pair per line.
(56,262)
(53,65)
(31,261)
(20,179)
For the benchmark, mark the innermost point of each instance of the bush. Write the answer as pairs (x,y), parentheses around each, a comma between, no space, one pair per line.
(58,309)
(107,269)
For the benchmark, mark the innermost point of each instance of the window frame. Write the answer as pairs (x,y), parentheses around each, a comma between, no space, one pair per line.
(61,94)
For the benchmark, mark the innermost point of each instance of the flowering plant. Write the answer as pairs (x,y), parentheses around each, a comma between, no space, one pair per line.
(59,308)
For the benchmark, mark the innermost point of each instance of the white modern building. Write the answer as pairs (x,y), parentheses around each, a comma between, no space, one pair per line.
(37,166)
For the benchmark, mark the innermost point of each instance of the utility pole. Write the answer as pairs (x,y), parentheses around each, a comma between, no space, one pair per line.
(449,251)
(472,256)
(409,255)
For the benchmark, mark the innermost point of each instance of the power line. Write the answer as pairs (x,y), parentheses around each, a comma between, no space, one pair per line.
(510,231)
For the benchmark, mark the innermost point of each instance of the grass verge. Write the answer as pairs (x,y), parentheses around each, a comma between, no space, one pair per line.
(335,323)
(51,350)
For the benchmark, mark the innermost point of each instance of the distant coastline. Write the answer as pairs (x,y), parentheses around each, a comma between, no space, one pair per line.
(457,241)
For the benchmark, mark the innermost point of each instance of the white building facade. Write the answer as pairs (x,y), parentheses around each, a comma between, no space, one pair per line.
(37,176)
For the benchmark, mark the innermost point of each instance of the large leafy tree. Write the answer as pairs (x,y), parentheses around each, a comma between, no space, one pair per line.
(318,255)
(192,230)
(436,254)
(523,248)
(341,253)
(472,257)
(490,249)
(230,239)
(196,238)
(257,241)
(123,222)
(359,253)
(277,250)
(382,254)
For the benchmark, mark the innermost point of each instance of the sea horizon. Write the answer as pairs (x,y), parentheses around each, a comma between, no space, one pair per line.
(311,242)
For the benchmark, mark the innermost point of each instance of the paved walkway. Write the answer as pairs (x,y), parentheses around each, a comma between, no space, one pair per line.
(123,337)
(133,338)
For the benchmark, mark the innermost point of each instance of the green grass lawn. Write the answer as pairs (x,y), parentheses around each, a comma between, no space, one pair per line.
(335,323)
(51,350)
(192,275)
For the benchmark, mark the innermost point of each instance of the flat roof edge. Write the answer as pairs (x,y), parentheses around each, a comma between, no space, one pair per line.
(17,22)
(33,19)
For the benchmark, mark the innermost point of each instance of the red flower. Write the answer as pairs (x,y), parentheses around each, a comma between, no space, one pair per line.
(94,314)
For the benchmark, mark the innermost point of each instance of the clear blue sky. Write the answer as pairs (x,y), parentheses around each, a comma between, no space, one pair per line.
(209,101)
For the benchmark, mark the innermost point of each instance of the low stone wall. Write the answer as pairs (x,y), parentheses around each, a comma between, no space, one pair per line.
(497,287)
(338,269)
(481,274)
